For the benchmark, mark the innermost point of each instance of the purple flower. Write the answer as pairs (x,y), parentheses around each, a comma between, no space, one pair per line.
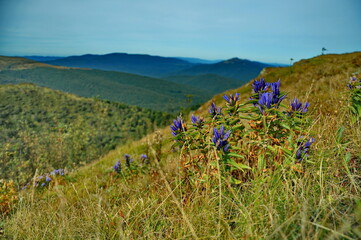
(178,126)
(60,172)
(214,110)
(117,167)
(259,86)
(353,83)
(220,138)
(197,121)
(276,92)
(43,184)
(144,158)
(232,99)
(272,99)
(47,179)
(296,106)
(303,149)
(265,101)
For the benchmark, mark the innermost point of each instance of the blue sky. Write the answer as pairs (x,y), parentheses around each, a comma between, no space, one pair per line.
(269,31)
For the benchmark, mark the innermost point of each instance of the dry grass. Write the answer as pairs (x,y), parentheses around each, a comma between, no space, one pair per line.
(321,203)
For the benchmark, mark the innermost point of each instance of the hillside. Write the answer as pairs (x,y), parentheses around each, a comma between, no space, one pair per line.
(45,129)
(185,192)
(212,83)
(142,64)
(319,79)
(240,69)
(16,63)
(127,88)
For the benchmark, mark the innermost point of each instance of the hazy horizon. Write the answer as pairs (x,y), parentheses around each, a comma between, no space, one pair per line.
(257,30)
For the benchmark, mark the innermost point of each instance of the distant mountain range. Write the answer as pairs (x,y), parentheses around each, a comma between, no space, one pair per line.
(151,93)
(199,60)
(151,66)
(241,70)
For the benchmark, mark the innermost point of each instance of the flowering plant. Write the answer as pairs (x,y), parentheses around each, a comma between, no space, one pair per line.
(248,138)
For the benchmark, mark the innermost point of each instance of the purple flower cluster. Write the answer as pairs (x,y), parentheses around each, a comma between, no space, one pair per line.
(45,179)
(220,138)
(271,99)
(197,121)
(214,110)
(259,86)
(231,99)
(117,167)
(353,83)
(297,106)
(59,172)
(178,126)
(303,149)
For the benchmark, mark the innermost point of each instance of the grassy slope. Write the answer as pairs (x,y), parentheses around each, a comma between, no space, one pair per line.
(43,129)
(131,89)
(212,83)
(322,202)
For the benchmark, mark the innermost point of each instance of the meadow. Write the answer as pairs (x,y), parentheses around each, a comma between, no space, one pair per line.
(278,158)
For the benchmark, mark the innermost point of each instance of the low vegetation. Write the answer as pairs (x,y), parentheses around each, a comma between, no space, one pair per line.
(42,129)
(253,163)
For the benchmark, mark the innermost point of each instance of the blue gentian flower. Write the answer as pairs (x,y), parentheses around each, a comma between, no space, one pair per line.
(265,101)
(214,110)
(296,106)
(303,149)
(117,167)
(232,99)
(59,172)
(272,99)
(43,184)
(220,138)
(353,83)
(259,86)
(197,121)
(276,92)
(178,126)
(47,179)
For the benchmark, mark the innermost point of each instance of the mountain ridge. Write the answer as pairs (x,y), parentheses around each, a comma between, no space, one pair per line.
(152,93)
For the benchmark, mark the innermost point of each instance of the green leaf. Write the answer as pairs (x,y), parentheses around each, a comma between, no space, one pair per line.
(261,162)
(284,125)
(339,135)
(235,181)
(238,166)
(231,154)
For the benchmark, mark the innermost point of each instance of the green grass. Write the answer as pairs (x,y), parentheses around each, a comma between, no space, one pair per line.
(322,202)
